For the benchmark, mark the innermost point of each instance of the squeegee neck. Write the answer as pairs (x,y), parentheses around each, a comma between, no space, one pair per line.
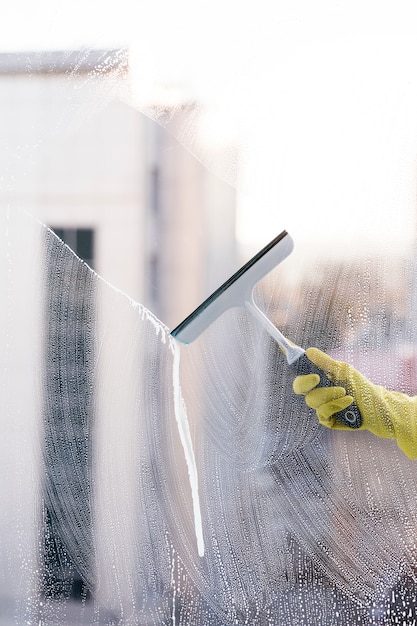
(291,351)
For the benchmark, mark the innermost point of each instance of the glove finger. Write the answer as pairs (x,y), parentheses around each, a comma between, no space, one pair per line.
(324,395)
(334,370)
(304,384)
(326,411)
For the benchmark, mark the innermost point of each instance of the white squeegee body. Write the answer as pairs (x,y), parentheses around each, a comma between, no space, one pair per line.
(238,291)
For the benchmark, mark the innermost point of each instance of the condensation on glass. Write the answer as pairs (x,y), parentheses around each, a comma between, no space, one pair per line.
(117,468)
(300,525)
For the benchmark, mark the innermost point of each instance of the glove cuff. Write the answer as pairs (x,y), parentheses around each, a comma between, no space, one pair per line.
(403,414)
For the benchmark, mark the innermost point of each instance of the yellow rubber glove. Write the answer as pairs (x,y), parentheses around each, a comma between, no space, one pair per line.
(387,414)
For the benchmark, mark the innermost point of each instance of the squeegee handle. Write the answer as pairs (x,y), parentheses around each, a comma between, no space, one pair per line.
(351,416)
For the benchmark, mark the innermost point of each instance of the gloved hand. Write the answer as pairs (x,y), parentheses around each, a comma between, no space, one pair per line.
(387,414)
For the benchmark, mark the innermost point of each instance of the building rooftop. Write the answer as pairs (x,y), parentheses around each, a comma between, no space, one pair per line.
(63,62)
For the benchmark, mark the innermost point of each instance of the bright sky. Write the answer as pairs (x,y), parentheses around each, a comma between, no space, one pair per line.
(322,96)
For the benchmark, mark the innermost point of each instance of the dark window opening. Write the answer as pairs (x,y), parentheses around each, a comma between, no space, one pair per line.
(154,194)
(68,370)
(80,240)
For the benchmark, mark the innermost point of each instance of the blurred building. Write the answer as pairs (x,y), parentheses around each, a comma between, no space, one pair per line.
(146,214)
(128,199)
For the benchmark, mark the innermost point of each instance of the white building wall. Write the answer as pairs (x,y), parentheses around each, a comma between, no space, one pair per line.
(20,419)
(88,174)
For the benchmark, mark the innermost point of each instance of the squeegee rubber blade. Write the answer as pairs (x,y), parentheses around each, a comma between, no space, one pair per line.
(234,291)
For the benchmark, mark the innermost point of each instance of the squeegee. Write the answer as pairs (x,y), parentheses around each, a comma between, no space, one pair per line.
(238,291)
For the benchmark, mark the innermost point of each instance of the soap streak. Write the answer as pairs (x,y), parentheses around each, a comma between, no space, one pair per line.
(187,444)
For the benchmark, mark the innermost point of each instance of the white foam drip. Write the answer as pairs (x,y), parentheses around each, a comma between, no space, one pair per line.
(187,444)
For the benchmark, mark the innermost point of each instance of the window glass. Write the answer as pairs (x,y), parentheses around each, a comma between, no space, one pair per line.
(144,159)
